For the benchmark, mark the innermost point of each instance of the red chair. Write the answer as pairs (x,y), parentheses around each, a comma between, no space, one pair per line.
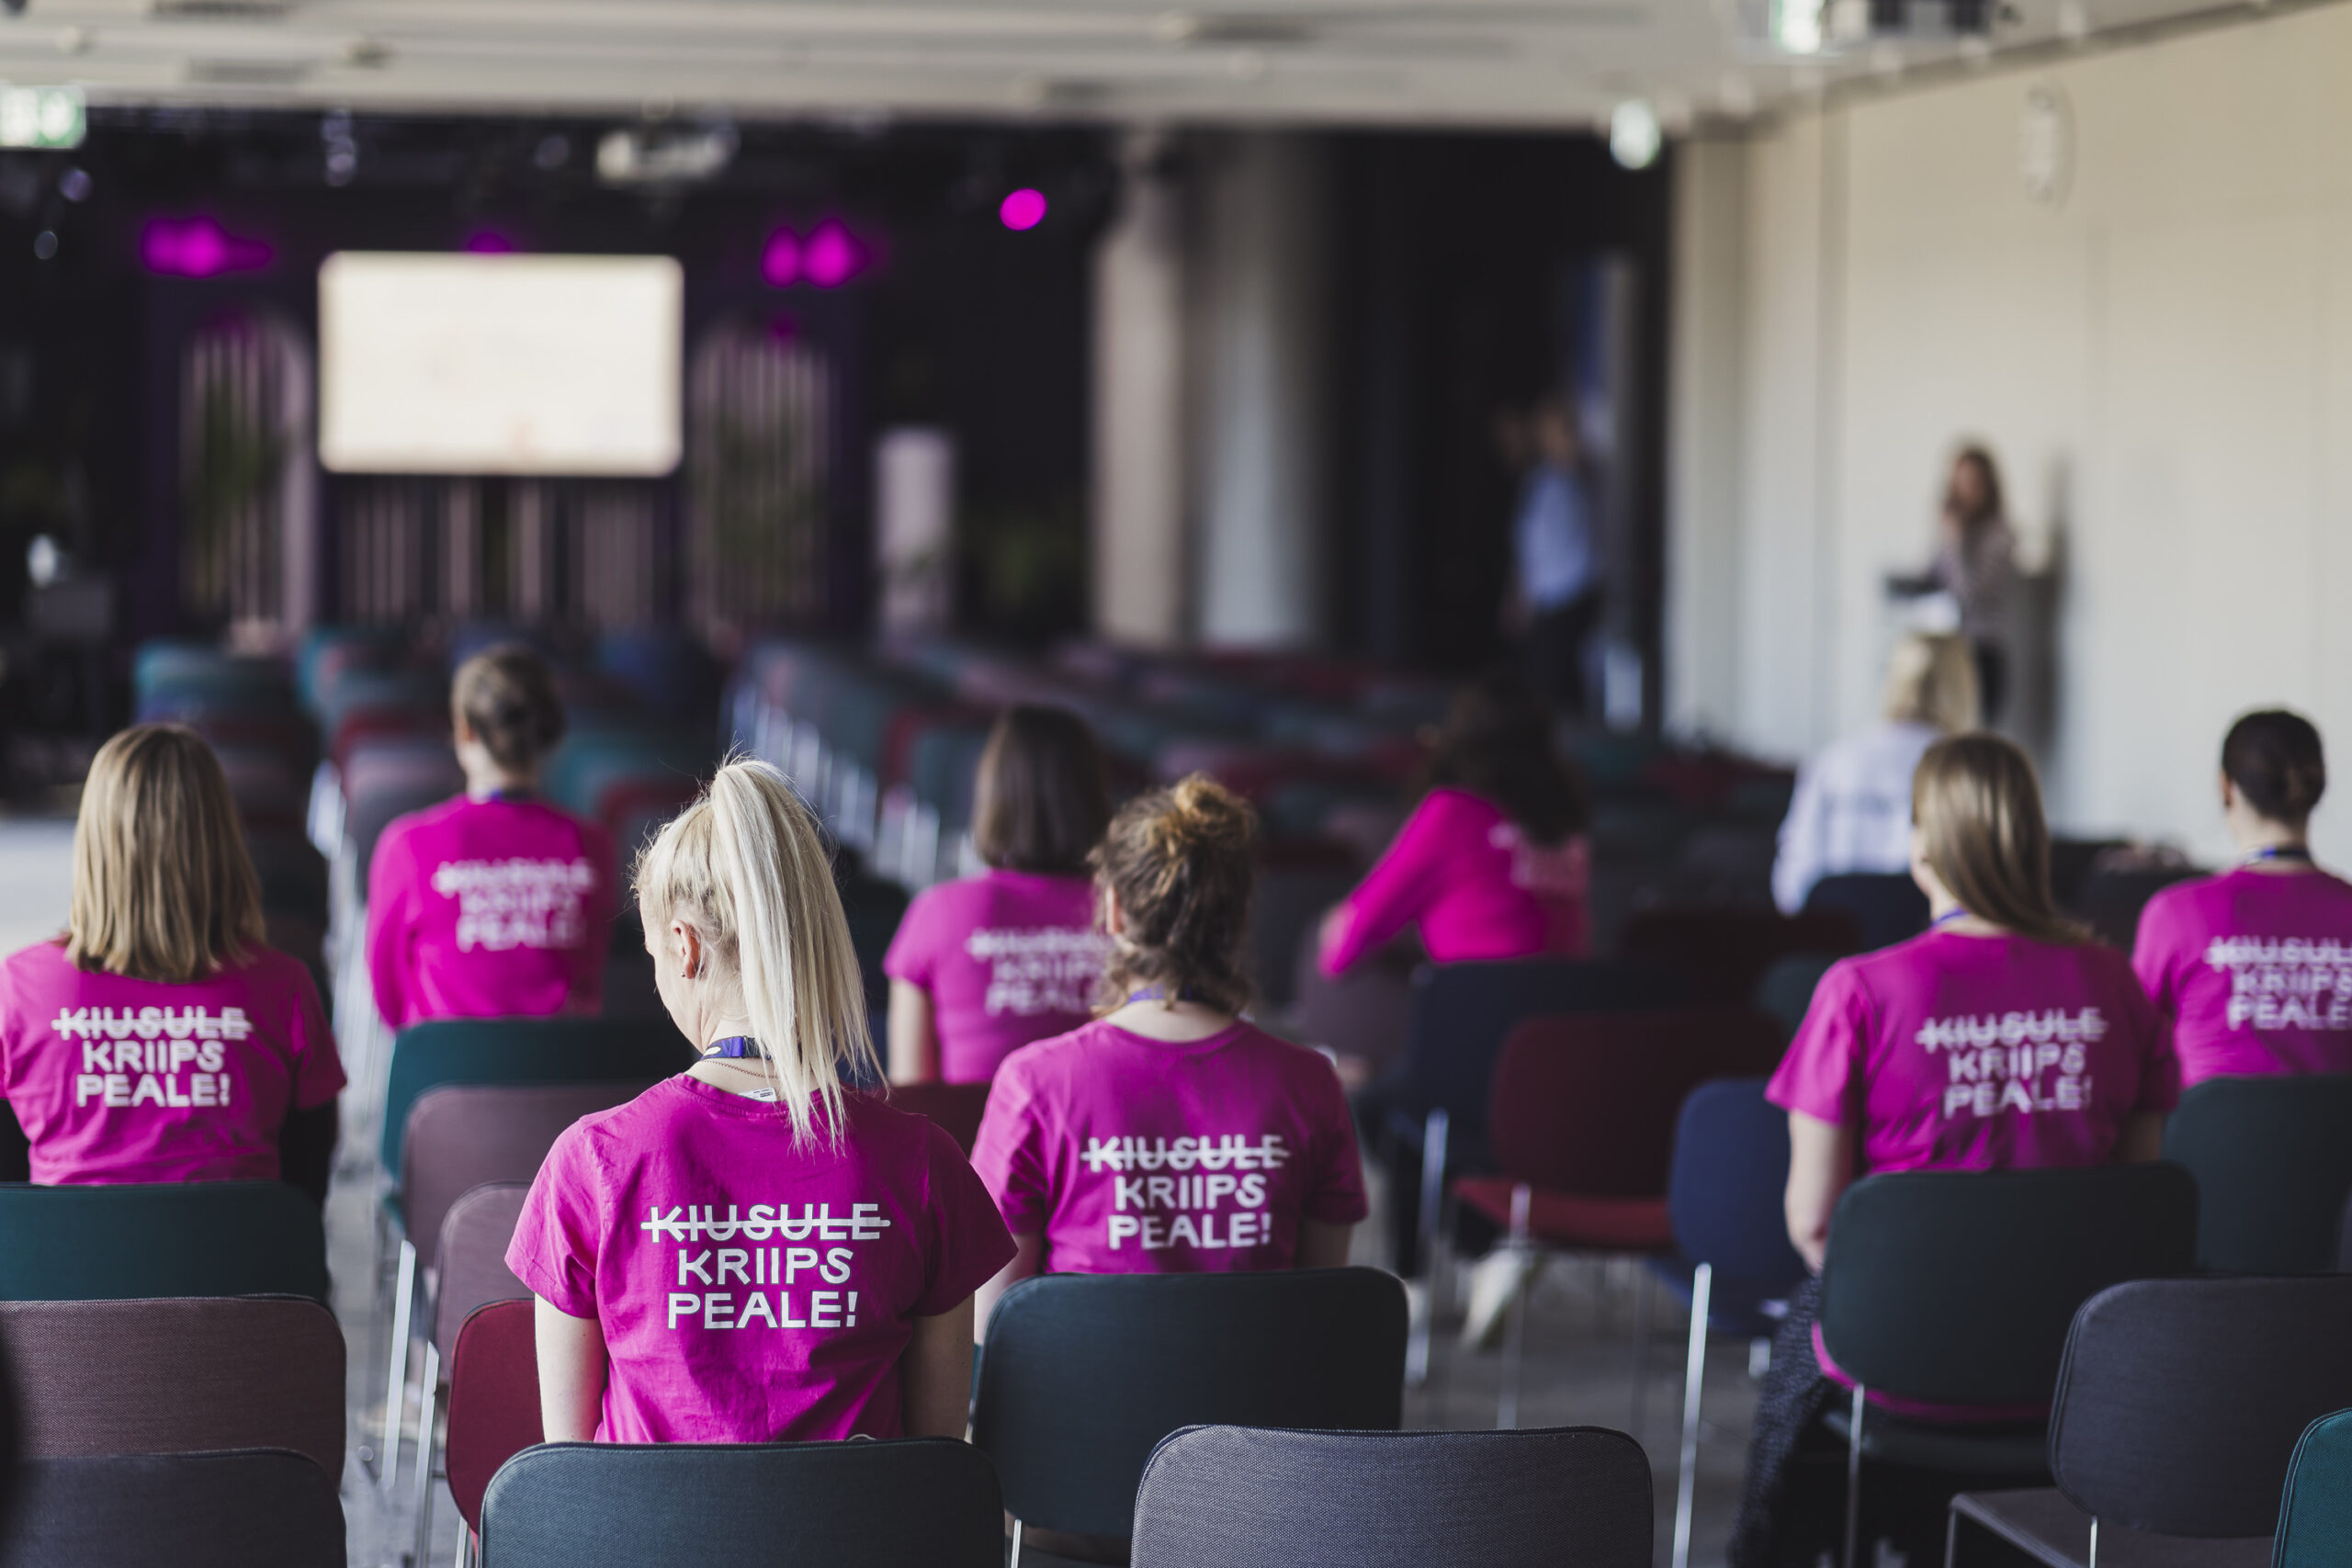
(493,1404)
(1581,1125)
(957,1106)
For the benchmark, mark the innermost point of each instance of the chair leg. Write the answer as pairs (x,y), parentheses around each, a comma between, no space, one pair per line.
(1854,1481)
(428,1398)
(1013,1558)
(388,1467)
(1515,1322)
(1644,1312)
(1434,1141)
(2092,1561)
(465,1547)
(1694,1374)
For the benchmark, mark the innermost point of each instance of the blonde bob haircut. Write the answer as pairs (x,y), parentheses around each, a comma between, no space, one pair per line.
(1978,810)
(163,890)
(1932,681)
(745,868)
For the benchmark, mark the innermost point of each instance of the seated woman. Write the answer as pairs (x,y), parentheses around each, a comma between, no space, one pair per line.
(746,1253)
(159,1039)
(495,904)
(982,966)
(1072,1122)
(1851,811)
(1868,1082)
(2247,965)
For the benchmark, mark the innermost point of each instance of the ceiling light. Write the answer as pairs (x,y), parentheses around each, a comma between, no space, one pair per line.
(1634,135)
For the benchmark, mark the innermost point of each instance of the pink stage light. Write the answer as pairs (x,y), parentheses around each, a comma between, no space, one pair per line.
(831,258)
(780,262)
(1023,209)
(490,243)
(198,247)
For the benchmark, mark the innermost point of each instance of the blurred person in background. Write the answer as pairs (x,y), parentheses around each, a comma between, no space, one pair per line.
(1975,563)
(1851,811)
(1555,598)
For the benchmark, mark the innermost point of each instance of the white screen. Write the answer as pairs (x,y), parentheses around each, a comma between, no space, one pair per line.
(499,364)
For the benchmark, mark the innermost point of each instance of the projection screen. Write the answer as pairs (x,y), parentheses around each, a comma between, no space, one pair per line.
(440,363)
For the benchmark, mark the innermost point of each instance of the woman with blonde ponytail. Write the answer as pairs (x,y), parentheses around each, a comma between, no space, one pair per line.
(754,1251)
(1170,1135)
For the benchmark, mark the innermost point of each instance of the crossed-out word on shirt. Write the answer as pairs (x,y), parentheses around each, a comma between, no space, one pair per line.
(1999,1062)
(760,1269)
(505,904)
(2285,982)
(171,1057)
(1039,969)
(1215,1188)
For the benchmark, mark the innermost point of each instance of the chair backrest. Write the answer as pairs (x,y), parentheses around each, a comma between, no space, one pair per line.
(1960,1286)
(1084,1374)
(1250,1498)
(1785,990)
(473,1245)
(2180,1401)
(193,1238)
(462,1135)
(957,1106)
(177,1375)
(1886,907)
(1725,950)
(229,1509)
(1730,1170)
(521,1050)
(2315,1516)
(913,1500)
(494,1399)
(2273,1162)
(1463,1012)
(1586,1104)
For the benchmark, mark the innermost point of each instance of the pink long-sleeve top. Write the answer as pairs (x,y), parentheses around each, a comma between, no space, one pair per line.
(1464,872)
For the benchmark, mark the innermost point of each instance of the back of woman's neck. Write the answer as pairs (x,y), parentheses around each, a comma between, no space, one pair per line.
(1176,1022)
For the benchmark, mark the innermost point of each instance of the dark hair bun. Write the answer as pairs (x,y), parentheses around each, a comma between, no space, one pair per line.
(2274,759)
(1178,860)
(506,696)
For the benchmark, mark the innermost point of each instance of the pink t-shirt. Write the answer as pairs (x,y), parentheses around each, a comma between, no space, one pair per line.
(2255,969)
(489,909)
(119,1080)
(752,1290)
(1132,1156)
(1475,886)
(1008,957)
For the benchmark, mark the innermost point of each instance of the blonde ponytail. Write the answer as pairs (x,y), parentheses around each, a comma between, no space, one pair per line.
(745,866)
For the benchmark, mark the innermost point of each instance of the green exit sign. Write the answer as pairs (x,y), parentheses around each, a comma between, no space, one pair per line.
(41,117)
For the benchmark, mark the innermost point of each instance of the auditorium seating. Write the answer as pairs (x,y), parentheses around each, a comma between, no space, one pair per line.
(494,1402)
(115,1243)
(2273,1162)
(228,1508)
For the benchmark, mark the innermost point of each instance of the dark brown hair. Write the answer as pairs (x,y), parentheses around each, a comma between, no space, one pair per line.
(2275,760)
(1041,800)
(163,890)
(1178,862)
(1980,457)
(1498,743)
(1979,812)
(506,696)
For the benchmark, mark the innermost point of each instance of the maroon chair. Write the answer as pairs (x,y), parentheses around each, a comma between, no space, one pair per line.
(471,1248)
(493,1404)
(957,1106)
(1581,1125)
(1724,952)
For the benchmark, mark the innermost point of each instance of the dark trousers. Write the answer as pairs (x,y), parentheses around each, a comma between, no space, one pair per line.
(1554,651)
(1991,679)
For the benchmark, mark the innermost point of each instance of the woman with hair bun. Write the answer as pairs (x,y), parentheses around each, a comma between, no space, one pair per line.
(1170,1135)
(751,1252)
(2254,966)
(495,904)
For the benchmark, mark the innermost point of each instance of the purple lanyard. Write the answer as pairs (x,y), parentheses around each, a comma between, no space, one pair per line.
(735,1046)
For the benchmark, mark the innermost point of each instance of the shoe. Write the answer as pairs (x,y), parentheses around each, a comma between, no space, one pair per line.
(1495,1281)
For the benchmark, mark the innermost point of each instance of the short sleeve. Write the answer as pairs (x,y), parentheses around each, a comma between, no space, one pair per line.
(1011,1157)
(389,884)
(1337,1197)
(1822,1075)
(2159,1061)
(969,1242)
(913,953)
(2154,952)
(1401,883)
(557,1236)
(318,1065)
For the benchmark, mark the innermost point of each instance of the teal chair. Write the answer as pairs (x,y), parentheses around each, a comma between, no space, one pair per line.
(2273,1162)
(181,1238)
(1787,986)
(2315,1516)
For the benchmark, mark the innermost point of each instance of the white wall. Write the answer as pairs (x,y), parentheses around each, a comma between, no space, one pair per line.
(2163,362)
(1138,504)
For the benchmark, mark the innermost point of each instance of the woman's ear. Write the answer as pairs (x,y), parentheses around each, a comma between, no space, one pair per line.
(2229,795)
(1114,919)
(686,950)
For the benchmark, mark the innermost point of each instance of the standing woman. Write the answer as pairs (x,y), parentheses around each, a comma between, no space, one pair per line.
(159,1039)
(495,904)
(749,1252)
(1171,1067)
(2254,966)
(1871,1084)
(1975,563)
(982,966)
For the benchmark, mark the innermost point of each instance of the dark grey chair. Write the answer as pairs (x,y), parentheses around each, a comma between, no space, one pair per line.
(2179,1406)
(926,1501)
(1084,1374)
(2273,1162)
(229,1509)
(1245,1498)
